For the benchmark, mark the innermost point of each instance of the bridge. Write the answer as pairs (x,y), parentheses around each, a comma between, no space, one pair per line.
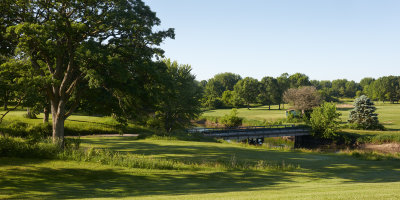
(254,134)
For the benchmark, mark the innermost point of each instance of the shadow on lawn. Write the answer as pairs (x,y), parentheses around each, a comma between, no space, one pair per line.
(75,183)
(40,181)
(317,165)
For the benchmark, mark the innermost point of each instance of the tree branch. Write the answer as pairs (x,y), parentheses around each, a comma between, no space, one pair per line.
(19,103)
(72,109)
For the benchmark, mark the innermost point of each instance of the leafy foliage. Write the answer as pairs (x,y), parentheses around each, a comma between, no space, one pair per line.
(247,89)
(76,45)
(269,91)
(325,120)
(304,98)
(232,120)
(179,97)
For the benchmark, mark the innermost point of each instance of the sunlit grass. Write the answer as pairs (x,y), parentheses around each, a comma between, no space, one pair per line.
(319,176)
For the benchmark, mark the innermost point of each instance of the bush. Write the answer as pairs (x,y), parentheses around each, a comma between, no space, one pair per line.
(232,120)
(325,120)
(72,143)
(15,128)
(294,117)
(18,147)
(38,132)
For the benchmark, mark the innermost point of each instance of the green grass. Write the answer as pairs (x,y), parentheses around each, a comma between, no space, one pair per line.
(321,176)
(388,114)
(260,114)
(78,124)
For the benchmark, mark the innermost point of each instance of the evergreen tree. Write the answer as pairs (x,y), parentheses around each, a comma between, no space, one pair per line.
(363,114)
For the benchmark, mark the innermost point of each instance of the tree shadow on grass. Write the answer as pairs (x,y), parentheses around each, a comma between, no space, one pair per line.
(74,183)
(25,178)
(317,165)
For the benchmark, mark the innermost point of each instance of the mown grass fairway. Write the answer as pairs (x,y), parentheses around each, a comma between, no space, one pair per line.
(320,176)
(261,113)
(388,114)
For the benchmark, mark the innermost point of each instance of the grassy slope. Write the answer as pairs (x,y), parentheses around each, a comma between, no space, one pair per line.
(89,124)
(258,113)
(322,176)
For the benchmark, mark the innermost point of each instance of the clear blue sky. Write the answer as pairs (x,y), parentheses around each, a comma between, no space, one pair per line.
(325,39)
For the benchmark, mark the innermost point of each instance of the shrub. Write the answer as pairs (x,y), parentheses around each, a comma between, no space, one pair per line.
(232,120)
(38,132)
(18,147)
(15,128)
(325,120)
(72,143)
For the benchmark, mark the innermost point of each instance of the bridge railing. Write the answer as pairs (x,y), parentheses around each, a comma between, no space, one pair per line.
(206,131)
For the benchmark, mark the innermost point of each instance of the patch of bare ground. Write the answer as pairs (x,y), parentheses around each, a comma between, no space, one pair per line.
(344,106)
(108,135)
(384,148)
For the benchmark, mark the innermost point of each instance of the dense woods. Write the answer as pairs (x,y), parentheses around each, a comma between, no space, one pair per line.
(231,90)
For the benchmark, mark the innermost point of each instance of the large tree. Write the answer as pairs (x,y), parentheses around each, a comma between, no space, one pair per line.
(284,84)
(298,80)
(269,91)
(216,86)
(179,101)
(304,98)
(99,44)
(247,89)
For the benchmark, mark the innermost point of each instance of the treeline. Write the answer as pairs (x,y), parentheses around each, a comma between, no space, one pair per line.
(231,90)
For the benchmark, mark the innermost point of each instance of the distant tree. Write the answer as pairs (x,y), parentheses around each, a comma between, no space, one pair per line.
(339,87)
(212,94)
(231,99)
(297,80)
(324,120)
(327,95)
(351,87)
(366,85)
(215,87)
(316,84)
(393,90)
(363,115)
(228,80)
(269,91)
(326,84)
(381,88)
(304,98)
(247,89)
(284,84)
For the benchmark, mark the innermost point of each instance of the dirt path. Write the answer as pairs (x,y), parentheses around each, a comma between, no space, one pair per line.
(108,135)
(386,148)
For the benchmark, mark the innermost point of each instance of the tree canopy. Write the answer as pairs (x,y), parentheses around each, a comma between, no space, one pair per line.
(73,45)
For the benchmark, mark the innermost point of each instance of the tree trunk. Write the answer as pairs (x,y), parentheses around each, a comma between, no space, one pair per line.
(279,106)
(58,111)
(269,107)
(46,114)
